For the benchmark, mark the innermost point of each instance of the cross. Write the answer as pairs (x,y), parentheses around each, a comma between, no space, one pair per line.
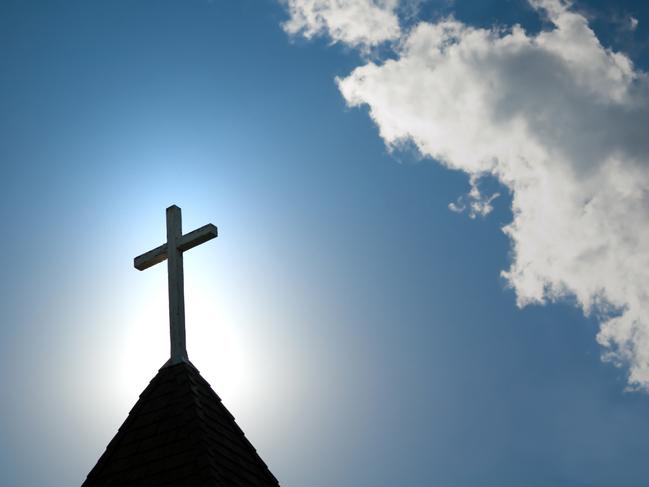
(177,243)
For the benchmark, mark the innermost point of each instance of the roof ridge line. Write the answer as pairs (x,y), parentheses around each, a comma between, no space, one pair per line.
(247,443)
(201,419)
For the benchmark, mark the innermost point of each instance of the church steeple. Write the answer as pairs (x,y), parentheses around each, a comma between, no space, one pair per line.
(179,433)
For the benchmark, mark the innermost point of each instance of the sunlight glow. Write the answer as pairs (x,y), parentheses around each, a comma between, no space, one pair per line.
(214,347)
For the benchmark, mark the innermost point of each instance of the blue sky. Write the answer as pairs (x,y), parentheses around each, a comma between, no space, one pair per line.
(359,330)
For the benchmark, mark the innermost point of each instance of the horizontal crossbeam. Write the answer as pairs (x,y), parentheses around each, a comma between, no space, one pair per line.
(186,242)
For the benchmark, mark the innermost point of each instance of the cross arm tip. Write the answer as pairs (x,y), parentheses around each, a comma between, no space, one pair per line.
(150,258)
(212,230)
(197,237)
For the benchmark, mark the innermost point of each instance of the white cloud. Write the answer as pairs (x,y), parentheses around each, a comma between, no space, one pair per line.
(354,22)
(561,121)
(474,202)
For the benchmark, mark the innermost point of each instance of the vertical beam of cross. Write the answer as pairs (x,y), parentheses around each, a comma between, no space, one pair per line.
(175,279)
(172,251)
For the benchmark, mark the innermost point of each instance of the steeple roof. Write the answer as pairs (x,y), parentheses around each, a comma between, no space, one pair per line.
(180,434)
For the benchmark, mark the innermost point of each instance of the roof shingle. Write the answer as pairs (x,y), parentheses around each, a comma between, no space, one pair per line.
(179,433)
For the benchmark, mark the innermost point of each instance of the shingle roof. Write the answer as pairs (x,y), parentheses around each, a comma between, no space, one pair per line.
(179,433)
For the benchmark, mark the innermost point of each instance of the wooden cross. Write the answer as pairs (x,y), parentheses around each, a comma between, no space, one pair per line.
(173,250)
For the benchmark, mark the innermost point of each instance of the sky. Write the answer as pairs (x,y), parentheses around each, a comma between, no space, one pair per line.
(432,253)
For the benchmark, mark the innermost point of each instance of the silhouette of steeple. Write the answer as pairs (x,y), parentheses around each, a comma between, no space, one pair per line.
(179,433)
